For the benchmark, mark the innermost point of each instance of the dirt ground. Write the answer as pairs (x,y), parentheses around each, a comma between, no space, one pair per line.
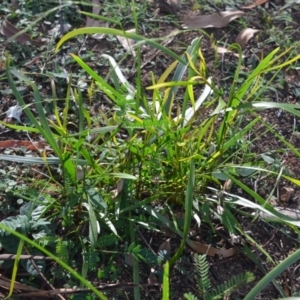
(277,240)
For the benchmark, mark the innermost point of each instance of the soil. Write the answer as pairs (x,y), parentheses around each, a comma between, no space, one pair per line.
(277,240)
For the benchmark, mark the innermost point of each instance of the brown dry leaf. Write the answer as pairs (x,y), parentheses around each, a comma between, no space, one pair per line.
(209,250)
(273,201)
(286,193)
(100,36)
(174,3)
(244,36)
(6,282)
(9,31)
(223,50)
(217,20)
(127,43)
(169,6)
(129,259)
(119,188)
(23,144)
(256,3)
(90,22)
(96,9)
(81,171)
(60,29)
(227,185)
(165,246)
(152,279)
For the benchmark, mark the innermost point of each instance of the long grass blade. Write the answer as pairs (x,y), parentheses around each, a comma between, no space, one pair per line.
(166,281)
(188,212)
(112,31)
(263,283)
(64,265)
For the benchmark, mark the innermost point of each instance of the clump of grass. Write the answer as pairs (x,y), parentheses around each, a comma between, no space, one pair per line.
(110,185)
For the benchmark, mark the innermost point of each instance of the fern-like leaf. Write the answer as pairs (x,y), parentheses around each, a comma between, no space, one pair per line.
(68,183)
(230,285)
(204,284)
(91,257)
(62,250)
(148,256)
(47,241)
(229,221)
(107,240)
(202,272)
(190,296)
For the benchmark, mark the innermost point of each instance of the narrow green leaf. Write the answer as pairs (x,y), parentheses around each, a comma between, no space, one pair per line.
(112,31)
(44,127)
(181,68)
(124,176)
(188,212)
(15,268)
(166,281)
(275,272)
(109,91)
(56,259)
(94,16)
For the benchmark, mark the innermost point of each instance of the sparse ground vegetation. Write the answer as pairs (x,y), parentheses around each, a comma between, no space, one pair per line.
(149,149)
